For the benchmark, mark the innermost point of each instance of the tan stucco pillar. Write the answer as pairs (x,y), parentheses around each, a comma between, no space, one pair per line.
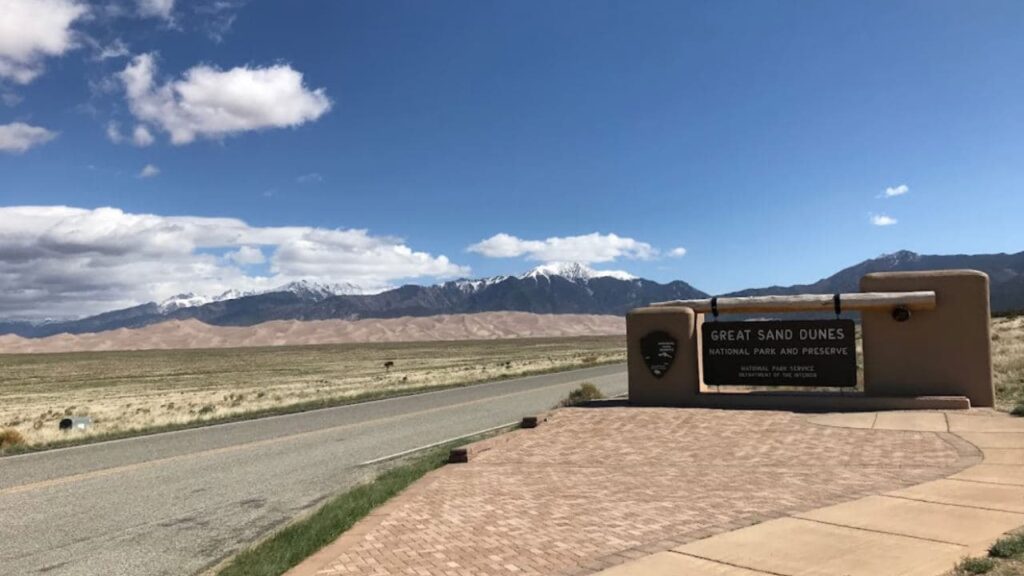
(945,351)
(678,386)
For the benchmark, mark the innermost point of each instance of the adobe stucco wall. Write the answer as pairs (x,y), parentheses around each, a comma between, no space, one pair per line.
(945,351)
(678,386)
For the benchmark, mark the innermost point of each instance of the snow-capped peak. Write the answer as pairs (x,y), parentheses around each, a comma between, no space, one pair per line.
(232,294)
(305,289)
(900,257)
(469,286)
(190,299)
(186,300)
(312,290)
(575,271)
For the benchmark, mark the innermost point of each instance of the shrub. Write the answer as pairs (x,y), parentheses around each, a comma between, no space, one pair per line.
(10,437)
(1008,547)
(585,393)
(975,565)
(1018,410)
(207,409)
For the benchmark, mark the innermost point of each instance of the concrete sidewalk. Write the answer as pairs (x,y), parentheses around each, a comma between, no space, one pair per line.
(919,530)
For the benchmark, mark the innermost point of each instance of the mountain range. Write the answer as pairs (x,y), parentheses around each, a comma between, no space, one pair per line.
(549,289)
(1005,272)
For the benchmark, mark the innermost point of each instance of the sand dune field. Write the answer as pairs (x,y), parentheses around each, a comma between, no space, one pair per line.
(181,373)
(177,334)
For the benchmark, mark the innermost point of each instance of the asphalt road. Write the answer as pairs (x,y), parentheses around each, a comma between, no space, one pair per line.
(179,502)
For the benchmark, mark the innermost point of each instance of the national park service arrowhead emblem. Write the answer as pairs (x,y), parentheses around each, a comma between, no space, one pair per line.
(659,350)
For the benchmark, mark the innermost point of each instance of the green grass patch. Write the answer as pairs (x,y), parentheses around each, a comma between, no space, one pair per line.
(293,544)
(976,565)
(1008,547)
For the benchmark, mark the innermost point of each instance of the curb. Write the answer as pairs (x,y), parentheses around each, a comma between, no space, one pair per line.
(463,454)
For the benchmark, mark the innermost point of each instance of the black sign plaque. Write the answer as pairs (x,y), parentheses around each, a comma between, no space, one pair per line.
(659,350)
(780,353)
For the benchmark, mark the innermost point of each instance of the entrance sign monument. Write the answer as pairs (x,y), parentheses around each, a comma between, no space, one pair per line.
(926,345)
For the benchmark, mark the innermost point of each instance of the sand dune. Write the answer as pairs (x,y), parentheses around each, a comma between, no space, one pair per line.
(194,334)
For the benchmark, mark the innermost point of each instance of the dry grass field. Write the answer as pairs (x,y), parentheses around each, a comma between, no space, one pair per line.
(1008,361)
(138,390)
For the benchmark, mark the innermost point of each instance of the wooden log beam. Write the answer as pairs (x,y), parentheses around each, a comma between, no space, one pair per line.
(856,301)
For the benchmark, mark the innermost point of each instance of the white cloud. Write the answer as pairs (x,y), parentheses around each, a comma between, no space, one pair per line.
(103,86)
(114,133)
(141,136)
(247,255)
(19,137)
(311,178)
(59,261)
(585,249)
(218,17)
(212,103)
(30,31)
(148,171)
(896,190)
(116,49)
(10,98)
(678,252)
(883,220)
(155,8)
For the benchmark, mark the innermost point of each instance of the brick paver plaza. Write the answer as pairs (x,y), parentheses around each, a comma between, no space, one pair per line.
(595,487)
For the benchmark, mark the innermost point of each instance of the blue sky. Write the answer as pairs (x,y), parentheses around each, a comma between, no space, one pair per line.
(759,136)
